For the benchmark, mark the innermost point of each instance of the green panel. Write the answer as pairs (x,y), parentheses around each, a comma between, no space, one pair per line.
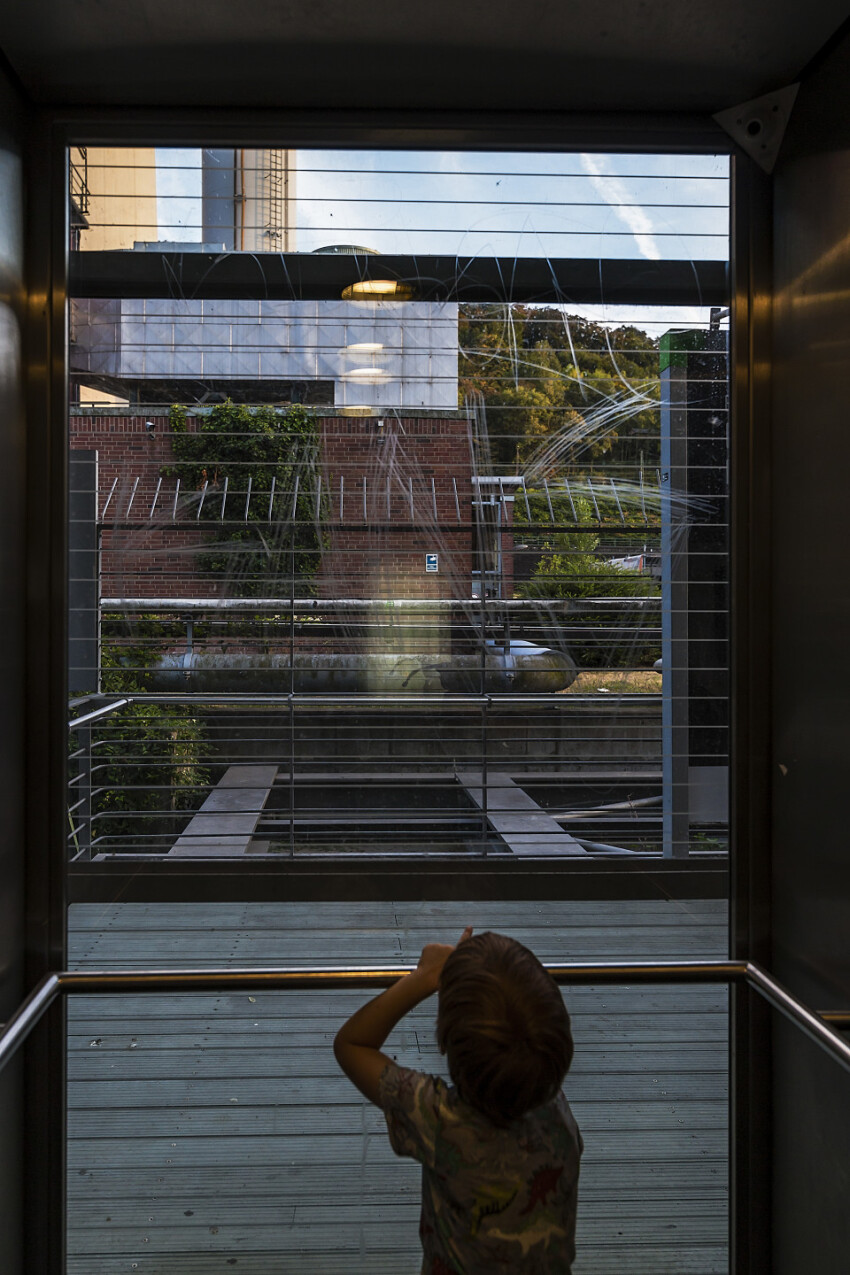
(674,347)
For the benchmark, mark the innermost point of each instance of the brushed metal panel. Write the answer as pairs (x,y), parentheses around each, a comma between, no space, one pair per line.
(811,701)
(12,594)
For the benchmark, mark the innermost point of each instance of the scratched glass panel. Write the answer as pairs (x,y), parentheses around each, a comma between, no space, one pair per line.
(399,511)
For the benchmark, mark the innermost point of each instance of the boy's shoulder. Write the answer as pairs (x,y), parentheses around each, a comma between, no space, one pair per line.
(422,1109)
(413,1090)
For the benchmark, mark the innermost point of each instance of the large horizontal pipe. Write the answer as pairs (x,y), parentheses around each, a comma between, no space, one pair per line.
(522,668)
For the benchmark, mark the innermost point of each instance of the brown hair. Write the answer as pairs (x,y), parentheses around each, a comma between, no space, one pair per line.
(503,1027)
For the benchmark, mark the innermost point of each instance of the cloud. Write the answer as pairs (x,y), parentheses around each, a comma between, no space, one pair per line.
(616,193)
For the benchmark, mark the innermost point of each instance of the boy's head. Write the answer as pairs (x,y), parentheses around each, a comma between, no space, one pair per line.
(503,1027)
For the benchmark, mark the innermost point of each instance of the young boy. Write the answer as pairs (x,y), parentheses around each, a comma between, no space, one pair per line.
(499,1148)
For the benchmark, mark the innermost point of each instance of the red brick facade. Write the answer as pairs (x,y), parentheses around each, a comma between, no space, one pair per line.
(398,490)
(394,491)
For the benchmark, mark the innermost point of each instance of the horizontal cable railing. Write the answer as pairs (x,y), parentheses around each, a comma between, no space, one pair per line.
(818,1027)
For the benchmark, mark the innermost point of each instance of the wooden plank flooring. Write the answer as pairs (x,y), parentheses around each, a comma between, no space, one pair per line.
(213,1133)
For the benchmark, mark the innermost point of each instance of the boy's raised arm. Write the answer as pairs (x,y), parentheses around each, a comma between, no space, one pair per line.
(357,1046)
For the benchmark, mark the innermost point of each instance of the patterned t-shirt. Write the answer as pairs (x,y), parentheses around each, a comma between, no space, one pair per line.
(492,1199)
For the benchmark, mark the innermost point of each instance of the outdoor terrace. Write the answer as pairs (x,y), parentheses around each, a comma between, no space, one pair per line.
(214,1132)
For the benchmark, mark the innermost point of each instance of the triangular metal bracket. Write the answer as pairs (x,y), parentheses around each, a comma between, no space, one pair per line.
(759,126)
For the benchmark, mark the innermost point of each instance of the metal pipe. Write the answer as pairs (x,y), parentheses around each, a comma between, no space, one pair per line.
(549,501)
(809,1022)
(593,498)
(358,699)
(602,847)
(98,712)
(27,1015)
(382,605)
(155,498)
(570,497)
(612,529)
(328,977)
(334,977)
(578,812)
(527,505)
(132,498)
(109,498)
(617,498)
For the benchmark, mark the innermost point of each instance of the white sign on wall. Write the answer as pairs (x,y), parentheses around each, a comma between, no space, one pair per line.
(432,562)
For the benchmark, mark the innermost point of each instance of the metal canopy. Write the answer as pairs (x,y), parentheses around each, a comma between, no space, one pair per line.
(314,277)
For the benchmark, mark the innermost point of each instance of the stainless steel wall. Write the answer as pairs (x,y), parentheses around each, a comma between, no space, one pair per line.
(12,592)
(810,650)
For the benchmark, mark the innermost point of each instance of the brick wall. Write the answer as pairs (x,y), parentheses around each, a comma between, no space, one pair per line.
(398,490)
(418,501)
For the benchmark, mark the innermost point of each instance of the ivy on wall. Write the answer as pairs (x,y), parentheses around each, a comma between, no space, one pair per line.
(260,545)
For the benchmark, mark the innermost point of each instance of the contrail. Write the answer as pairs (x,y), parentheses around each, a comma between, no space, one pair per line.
(614,191)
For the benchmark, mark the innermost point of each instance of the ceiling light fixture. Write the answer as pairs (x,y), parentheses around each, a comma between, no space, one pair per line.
(377,290)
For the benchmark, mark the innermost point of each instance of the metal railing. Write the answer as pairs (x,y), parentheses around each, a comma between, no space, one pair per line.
(389,734)
(818,1027)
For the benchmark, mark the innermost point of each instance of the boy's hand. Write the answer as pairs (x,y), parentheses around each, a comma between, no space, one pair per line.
(434,957)
(358,1042)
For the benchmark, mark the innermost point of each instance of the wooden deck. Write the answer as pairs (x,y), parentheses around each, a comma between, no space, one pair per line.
(213,1133)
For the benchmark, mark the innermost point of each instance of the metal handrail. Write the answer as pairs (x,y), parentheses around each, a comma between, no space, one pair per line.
(51,986)
(380,606)
(365,699)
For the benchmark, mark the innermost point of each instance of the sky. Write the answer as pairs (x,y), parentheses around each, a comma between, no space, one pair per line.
(649,207)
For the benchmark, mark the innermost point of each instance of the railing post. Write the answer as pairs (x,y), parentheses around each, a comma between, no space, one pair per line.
(84,836)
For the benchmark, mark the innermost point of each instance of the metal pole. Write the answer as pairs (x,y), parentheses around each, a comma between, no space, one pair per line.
(85,816)
(329,977)
(25,1018)
(809,1022)
(77,722)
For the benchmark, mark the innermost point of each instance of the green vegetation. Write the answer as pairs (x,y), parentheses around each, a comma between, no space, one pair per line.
(232,446)
(563,398)
(149,757)
(541,373)
(571,566)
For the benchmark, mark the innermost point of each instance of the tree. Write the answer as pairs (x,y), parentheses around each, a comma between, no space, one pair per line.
(572,566)
(544,376)
(258,543)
